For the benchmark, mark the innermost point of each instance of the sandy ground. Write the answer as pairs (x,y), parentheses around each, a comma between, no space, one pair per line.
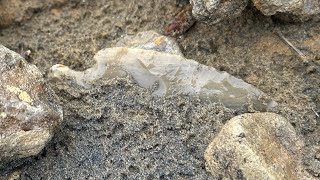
(245,47)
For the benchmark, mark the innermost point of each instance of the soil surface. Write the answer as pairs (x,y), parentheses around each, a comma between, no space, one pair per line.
(118,130)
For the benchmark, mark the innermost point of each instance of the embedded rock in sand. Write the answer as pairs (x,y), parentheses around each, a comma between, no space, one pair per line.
(256,146)
(289,9)
(168,74)
(213,11)
(150,40)
(28,114)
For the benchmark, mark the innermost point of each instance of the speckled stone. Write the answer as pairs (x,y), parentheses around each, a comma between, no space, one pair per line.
(256,146)
(214,11)
(28,112)
(292,10)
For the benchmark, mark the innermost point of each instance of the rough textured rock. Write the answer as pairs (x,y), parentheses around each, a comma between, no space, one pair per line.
(289,9)
(311,159)
(28,114)
(256,146)
(19,10)
(213,11)
(168,74)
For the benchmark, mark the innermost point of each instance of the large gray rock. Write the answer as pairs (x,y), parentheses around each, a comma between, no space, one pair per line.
(168,74)
(28,114)
(289,9)
(256,146)
(213,11)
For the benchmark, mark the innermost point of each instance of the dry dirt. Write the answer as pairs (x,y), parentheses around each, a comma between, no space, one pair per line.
(247,47)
